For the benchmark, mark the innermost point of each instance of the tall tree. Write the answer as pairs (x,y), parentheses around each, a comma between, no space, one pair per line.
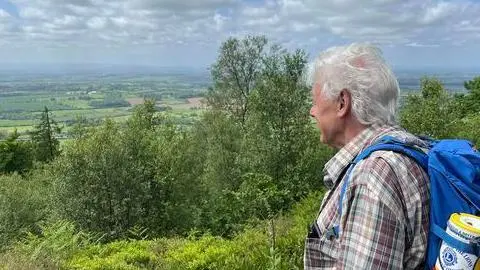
(235,74)
(44,137)
(280,136)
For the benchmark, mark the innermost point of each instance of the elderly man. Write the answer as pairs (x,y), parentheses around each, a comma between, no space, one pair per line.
(385,218)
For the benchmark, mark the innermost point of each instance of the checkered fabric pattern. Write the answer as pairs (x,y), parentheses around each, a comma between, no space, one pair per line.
(384,222)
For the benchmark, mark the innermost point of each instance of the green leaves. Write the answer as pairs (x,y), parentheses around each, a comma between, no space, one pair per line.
(15,155)
(431,114)
(23,205)
(235,74)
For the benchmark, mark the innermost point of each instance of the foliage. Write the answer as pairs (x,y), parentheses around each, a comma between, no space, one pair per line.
(261,145)
(44,138)
(432,113)
(251,249)
(100,184)
(234,75)
(23,204)
(114,178)
(127,255)
(469,103)
(15,155)
(467,128)
(49,250)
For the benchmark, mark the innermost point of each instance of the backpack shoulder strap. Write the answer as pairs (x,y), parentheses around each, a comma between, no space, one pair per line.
(386,143)
(389,143)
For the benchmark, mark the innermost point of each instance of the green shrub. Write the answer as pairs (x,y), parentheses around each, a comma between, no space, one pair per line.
(467,128)
(23,204)
(277,244)
(49,250)
(126,255)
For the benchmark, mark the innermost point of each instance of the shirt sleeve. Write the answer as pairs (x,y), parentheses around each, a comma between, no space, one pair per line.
(373,236)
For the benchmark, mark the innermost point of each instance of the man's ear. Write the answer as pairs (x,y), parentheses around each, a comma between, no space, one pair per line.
(344,103)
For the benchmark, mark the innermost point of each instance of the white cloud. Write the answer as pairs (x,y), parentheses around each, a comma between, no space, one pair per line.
(4,14)
(415,44)
(167,24)
(438,12)
(32,13)
(219,21)
(97,22)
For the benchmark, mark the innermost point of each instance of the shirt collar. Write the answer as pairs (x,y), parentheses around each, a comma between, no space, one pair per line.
(334,167)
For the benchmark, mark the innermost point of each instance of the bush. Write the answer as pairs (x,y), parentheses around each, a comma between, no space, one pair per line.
(116,255)
(23,205)
(277,244)
(48,250)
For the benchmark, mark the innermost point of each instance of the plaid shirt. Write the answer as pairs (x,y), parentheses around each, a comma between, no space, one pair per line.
(384,222)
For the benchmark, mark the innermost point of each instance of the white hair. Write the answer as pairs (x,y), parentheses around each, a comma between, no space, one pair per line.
(361,70)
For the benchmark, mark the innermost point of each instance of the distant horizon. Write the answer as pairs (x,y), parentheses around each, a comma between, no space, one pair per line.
(408,77)
(28,67)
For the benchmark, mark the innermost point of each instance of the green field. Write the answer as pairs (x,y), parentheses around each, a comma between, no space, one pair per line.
(95,99)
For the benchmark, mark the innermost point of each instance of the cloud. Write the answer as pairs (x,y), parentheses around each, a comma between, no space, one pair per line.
(415,44)
(4,14)
(165,24)
(97,22)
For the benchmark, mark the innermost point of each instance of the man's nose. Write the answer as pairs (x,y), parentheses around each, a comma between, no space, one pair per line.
(312,112)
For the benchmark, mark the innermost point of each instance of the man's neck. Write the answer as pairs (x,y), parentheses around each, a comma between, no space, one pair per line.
(352,129)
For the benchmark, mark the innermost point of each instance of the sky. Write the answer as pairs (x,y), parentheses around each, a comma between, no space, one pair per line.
(411,33)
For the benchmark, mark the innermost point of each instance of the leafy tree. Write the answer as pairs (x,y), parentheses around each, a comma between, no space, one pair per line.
(234,75)
(79,128)
(116,177)
(45,139)
(432,113)
(269,145)
(15,155)
(469,103)
(467,128)
(280,133)
(89,177)
(216,140)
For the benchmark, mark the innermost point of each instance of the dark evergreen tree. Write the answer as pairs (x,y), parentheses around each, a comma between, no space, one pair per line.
(44,137)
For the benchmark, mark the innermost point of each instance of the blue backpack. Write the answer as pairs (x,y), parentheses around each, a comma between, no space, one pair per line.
(453,167)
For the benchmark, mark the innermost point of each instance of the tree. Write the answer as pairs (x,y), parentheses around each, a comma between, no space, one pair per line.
(235,74)
(144,116)
(273,146)
(469,103)
(139,175)
(44,138)
(432,113)
(15,155)
(102,181)
(280,133)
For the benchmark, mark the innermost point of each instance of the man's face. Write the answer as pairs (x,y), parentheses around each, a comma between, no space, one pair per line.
(324,111)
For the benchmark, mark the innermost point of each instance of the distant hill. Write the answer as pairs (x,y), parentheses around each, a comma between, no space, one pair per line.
(409,78)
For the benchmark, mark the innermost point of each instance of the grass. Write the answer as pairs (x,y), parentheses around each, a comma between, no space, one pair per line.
(15,123)
(90,113)
(77,103)
(24,111)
